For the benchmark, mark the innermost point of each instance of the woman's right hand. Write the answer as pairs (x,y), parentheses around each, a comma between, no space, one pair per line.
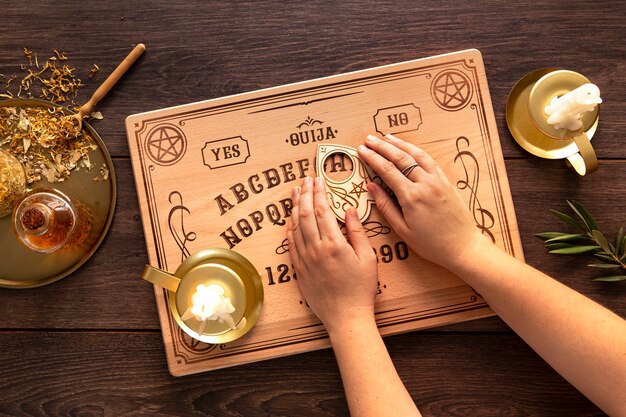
(431,217)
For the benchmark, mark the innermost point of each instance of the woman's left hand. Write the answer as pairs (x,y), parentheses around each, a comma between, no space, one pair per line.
(338,279)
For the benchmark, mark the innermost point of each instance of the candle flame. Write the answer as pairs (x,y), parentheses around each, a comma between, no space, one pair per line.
(210,303)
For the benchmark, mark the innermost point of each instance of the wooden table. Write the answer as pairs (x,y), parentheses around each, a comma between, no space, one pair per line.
(90,345)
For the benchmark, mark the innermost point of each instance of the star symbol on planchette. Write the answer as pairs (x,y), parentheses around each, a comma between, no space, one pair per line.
(358,189)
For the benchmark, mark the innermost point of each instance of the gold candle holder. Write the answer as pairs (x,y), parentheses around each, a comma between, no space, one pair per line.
(227,269)
(528,122)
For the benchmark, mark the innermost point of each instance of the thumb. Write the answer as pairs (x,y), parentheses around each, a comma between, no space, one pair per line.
(356,234)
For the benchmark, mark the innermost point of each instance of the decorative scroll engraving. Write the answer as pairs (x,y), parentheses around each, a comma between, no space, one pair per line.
(309,122)
(483,217)
(307,102)
(372,228)
(177,228)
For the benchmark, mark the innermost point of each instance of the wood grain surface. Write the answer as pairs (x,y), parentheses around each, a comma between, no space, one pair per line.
(90,345)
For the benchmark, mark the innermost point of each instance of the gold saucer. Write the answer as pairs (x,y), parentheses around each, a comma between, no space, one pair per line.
(526,133)
(23,268)
(226,268)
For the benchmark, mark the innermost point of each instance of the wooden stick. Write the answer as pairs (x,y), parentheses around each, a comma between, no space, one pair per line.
(112,80)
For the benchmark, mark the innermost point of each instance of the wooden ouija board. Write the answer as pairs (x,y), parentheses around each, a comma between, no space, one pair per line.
(219,173)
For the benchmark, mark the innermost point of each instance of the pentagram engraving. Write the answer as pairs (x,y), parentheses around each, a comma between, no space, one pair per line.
(166,144)
(451,90)
(357,189)
(194,345)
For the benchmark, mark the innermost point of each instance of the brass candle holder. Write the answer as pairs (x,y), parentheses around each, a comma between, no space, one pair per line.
(528,122)
(216,267)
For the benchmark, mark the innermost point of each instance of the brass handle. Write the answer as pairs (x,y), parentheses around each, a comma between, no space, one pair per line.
(585,160)
(160,278)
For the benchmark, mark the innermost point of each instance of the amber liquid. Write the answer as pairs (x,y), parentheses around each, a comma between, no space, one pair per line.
(49,222)
(60,225)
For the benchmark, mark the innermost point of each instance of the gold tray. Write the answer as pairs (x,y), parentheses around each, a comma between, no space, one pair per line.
(524,131)
(22,268)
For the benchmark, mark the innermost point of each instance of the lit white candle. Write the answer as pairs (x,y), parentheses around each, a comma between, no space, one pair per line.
(210,303)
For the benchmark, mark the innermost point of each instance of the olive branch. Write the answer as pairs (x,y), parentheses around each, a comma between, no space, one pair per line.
(588,240)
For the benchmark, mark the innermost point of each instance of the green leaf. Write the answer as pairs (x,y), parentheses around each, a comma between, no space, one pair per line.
(604,257)
(568,219)
(574,250)
(549,235)
(552,246)
(613,278)
(566,238)
(605,266)
(598,236)
(585,216)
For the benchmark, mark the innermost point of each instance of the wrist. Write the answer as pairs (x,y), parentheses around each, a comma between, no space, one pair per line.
(350,322)
(474,252)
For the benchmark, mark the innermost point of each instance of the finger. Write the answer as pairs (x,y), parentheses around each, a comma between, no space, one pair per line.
(387,170)
(295,218)
(326,220)
(425,161)
(310,231)
(356,235)
(388,208)
(294,255)
(389,151)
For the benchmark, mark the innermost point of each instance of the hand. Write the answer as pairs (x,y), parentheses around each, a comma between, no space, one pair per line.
(431,217)
(338,279)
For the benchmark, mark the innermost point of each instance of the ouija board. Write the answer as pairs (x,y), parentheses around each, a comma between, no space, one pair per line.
(219,173)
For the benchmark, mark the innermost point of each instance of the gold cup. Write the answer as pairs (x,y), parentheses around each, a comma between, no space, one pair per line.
(228,269)
(528,122)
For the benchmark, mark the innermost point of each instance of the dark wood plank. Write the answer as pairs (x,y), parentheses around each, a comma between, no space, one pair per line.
(199,50)
(108,294)
(124,374)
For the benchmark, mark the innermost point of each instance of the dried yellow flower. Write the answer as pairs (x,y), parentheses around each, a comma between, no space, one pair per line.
(35,135)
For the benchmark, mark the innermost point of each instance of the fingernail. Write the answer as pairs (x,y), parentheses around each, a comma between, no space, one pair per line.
(371,188)
(390,136)
(363,149)
(307,180)
(318,181)
(371,138)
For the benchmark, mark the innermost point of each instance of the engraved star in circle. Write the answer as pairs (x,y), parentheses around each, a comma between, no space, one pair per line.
(451,90)
(358,189)
(166,144)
